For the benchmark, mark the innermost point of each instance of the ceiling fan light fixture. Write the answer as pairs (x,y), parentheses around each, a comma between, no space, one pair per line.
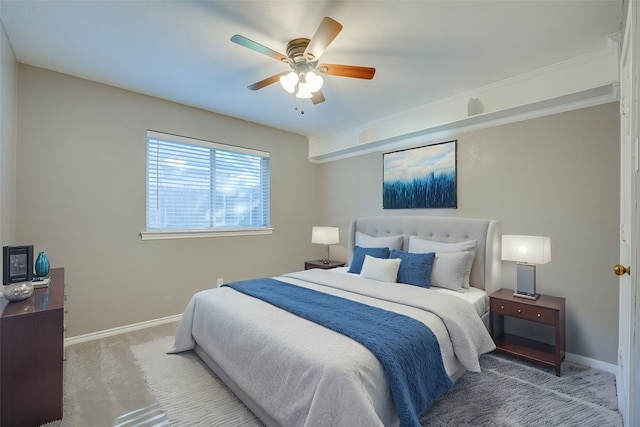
(314,81)
(289,82)
(303,91)
(302,56)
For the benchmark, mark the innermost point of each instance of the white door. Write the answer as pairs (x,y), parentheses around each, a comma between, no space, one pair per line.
(628,391)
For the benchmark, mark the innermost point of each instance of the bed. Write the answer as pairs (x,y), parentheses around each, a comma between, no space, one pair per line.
(289,370)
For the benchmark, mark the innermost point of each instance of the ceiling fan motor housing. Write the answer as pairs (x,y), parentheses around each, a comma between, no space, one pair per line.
(295,50)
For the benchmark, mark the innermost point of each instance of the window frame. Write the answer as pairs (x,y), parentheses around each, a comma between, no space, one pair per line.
(195,232)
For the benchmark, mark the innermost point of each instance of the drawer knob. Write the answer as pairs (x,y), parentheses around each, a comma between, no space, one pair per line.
(519,311)
(502,307)
(539,315)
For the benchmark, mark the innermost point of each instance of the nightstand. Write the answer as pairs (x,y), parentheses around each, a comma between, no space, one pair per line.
(308,265)
(545,310)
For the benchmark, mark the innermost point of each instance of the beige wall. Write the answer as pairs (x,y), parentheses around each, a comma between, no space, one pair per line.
(8,111)
(556,176)
(81,198)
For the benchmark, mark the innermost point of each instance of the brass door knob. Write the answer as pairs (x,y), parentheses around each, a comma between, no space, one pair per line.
(621,269)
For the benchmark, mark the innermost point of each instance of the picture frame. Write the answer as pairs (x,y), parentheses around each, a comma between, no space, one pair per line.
(421,177)
(17,264)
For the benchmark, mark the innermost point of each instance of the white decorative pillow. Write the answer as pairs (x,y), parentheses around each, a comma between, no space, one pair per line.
(418,246)
(449,270)
(383,270)
(391,242)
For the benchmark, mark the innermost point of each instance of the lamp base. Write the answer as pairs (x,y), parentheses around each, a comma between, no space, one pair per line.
(527,295)
(325,258)
(526,285)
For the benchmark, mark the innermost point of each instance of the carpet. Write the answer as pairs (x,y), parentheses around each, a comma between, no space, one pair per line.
(187,391)
(508,392)
(511,392)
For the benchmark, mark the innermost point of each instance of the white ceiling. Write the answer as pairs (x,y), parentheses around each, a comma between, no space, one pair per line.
(423,51)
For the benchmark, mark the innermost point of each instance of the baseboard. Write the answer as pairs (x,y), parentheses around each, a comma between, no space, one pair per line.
(121,330)
(592,363)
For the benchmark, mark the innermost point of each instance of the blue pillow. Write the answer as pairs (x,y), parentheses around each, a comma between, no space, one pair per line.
(415,269)
(359,253)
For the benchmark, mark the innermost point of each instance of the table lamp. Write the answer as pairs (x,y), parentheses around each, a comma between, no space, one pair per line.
(325,236)
(527,251)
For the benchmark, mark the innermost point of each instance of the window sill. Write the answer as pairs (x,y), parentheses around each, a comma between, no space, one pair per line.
(194,234)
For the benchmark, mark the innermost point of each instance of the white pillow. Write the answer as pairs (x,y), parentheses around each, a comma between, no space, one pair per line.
(381,269)
(418,246)
(391,242)
(449,270)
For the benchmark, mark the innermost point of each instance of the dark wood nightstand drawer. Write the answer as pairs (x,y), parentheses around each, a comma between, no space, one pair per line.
(522,311)
(308,265)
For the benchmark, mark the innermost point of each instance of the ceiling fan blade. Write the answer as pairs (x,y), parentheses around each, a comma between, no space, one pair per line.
(326,32)
(267,81)
(243,41)
(347,71)
(317,97)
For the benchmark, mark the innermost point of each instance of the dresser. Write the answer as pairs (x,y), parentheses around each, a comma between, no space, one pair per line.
(31,353)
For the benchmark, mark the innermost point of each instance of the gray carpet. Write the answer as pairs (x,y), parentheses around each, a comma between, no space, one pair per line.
(103,384)
(187,391)
(508,392)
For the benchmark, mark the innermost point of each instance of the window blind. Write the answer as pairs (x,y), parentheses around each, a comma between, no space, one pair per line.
(198,185)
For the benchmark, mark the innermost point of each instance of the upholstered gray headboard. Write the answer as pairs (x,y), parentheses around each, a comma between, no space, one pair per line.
(486,272)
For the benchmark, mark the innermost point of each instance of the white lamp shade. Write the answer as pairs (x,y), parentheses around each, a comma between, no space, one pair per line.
(314,81)
(303,91)
(289,82)
(527,249)
(325,235)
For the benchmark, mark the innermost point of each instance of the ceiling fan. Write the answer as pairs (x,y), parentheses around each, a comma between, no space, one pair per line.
(302,56)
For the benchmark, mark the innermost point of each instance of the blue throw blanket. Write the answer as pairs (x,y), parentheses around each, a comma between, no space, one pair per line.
(407,349)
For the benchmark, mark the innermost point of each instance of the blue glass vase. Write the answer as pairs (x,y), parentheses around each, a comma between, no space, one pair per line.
(41,265)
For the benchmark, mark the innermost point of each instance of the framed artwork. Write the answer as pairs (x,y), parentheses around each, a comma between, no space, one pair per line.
(17,264)
(421,177)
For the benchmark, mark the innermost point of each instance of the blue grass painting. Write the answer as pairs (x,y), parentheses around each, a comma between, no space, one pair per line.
(418,178)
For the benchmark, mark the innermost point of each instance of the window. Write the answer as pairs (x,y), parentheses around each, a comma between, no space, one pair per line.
(197,188)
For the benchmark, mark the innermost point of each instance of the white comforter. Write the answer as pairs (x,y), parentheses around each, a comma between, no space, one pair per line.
(304,374)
